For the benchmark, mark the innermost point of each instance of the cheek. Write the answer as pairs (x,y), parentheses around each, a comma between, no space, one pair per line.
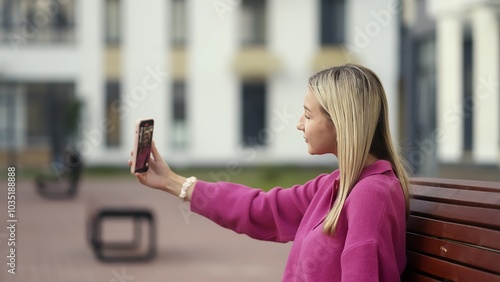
(328,137)
(309,128)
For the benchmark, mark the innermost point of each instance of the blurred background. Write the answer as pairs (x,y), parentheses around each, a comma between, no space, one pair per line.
(224,81)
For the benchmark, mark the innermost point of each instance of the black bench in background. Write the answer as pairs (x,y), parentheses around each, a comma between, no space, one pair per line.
(64,182)
(142,247)
(453,233)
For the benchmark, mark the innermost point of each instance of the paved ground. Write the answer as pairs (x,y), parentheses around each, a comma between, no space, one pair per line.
(52,245)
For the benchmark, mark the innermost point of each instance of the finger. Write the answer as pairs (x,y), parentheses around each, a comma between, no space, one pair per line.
(129,162)
(156,154)
(140,177)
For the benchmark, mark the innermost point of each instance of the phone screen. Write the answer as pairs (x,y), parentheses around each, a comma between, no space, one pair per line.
(145,136)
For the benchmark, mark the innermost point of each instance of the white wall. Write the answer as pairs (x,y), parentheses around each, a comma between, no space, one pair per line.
(212,88)
(89,78)
(145,78)
(486,90)
(373,37)
(295,42)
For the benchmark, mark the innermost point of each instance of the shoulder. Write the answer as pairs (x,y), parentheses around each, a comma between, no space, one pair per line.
(376,195)
(377,182)
(327,178)
(377,185)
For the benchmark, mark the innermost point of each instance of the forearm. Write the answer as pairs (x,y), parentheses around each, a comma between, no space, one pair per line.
(272,215)
(173,185)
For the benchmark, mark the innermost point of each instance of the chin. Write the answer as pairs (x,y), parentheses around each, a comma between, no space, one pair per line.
(312,152)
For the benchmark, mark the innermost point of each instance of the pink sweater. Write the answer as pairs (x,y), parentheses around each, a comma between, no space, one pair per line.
(369,242)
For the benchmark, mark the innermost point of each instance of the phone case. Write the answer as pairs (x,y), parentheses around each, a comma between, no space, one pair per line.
(142,145)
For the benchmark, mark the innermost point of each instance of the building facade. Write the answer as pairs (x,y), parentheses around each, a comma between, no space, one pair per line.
(224,80)
(451,68)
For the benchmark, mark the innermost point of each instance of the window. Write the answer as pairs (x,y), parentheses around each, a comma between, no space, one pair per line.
(37,111)
(4,15)
(332,22)
(49,115)
(468,102)
(7,115)
(424,107)
(113,18)
(113,113)
(47,105)
(253,22)
(37,21)
(178,23)
(254,113)
(179,126)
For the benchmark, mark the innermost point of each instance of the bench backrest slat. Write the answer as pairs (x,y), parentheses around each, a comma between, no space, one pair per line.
(456,252)
(486,186)
(475,216)
(419,277)
(467,234)
(456,196)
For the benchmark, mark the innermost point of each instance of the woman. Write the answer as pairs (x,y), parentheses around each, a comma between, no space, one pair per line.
(348,225)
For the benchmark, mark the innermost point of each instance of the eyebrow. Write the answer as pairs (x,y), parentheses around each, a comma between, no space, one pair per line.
(307,109)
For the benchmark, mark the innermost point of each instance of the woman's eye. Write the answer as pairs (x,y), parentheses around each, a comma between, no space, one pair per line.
(306,116)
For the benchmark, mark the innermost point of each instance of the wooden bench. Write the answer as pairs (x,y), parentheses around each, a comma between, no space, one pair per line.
(453,233)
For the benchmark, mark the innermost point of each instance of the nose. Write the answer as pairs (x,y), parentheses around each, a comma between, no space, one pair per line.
(300,125)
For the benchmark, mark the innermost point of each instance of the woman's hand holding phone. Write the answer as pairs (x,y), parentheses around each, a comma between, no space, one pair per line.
(159,175)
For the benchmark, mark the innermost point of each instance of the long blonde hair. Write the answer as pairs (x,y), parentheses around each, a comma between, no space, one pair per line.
(354,99)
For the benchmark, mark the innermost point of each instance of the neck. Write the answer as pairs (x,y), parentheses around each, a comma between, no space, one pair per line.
(370,160)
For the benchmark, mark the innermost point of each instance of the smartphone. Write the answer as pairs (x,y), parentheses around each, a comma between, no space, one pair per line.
(142,145)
